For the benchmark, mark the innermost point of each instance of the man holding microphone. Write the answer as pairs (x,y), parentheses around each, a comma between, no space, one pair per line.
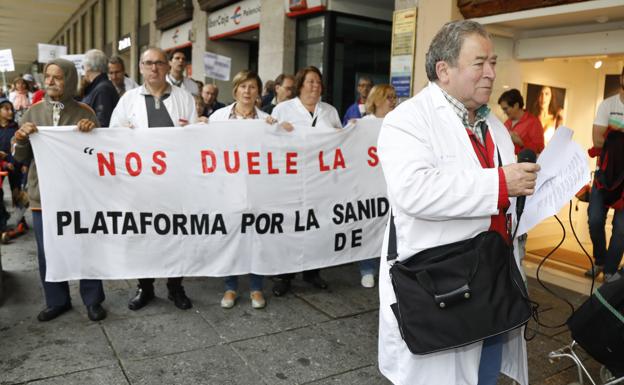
(450,171)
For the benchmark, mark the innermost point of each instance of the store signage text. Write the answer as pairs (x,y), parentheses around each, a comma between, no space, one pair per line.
(238,17)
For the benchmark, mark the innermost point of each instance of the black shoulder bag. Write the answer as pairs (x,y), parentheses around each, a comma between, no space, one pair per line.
(457,294)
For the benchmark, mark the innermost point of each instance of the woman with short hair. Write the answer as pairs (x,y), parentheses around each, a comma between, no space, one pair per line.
(306,109)
(247,86)
(381,100)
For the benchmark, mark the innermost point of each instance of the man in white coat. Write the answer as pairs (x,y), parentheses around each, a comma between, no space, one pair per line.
(439,152)
(155,104)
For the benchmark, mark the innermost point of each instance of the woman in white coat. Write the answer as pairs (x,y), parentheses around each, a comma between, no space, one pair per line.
(381,100)
(247,86)
(306,109)
(441,193)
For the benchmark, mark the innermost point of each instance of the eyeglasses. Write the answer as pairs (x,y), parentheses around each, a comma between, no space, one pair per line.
(158,63)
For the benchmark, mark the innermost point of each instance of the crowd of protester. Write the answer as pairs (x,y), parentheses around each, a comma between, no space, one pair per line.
(118,101)
(105,96)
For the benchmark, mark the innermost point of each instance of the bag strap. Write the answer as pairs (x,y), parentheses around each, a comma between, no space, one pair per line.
(392,241)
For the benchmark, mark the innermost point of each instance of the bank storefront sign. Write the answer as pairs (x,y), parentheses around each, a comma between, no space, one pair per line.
(236,18)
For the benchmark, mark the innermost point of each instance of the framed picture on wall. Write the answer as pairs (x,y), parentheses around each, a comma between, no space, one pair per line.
(547,104)
(612,85)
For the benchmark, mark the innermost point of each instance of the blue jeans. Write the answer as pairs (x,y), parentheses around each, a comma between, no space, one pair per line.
(369,266)
(57,293)
(255,282)
(491,359)
(597,212)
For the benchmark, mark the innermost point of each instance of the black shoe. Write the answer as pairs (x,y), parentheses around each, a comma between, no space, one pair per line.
(96,312)
(180,299)
(141,299)
(50,313)
(281,287)
(316,281)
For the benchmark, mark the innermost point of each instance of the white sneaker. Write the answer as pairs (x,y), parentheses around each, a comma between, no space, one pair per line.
(368,281)
(257,300)
(229,299)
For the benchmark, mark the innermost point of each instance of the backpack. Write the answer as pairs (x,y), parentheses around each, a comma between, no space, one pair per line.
(598,325)
(609,176)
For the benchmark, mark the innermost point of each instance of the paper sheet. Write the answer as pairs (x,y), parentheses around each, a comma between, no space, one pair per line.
(564,170)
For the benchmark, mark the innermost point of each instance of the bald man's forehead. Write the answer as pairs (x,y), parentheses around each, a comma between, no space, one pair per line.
(153,55)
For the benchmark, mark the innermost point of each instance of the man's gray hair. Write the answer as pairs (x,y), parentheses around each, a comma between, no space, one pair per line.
(95,60)
(447,44)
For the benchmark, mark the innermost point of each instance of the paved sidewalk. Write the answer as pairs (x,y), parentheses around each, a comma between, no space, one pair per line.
(309,337)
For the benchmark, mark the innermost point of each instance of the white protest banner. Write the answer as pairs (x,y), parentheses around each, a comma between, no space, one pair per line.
(6,60)
(77,60)
(217,66)
(220,199)
(47,52)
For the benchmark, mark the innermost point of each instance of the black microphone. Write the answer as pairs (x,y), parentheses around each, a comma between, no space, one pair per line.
(525,156)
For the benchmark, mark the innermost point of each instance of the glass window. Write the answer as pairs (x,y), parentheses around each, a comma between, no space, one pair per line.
(310,35)
(361,48)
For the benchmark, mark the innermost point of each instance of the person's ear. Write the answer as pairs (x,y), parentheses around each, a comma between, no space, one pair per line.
(442,71)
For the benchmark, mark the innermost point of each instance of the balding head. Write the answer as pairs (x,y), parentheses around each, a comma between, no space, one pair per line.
(210,93)
(154,67)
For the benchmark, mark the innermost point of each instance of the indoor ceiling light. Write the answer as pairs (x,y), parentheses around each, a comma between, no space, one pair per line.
(597,64)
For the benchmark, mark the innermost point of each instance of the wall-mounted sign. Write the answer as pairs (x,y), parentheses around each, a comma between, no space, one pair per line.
(177,36)
(302,7)
(403,45)
(47,52)
(124,43)
(217,66)
(77,60)
(6,60)
(240,17)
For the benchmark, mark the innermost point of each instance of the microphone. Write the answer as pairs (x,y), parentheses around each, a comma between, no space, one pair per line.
(525,156)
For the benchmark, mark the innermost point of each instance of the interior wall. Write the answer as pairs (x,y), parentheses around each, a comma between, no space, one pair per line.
(584,91)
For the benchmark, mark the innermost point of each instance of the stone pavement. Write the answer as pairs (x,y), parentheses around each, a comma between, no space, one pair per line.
(309,337)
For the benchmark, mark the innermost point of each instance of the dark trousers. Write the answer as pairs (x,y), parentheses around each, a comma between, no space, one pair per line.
(147,284)
(308,274)
(57,293)
(597,212)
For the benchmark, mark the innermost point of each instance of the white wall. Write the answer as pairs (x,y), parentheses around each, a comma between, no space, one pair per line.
(584,91)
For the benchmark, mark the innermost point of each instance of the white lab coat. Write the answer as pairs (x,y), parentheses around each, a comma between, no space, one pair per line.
(223,113)
(294,112)
(439,194)
(129,83)
(187,84)
(132,112)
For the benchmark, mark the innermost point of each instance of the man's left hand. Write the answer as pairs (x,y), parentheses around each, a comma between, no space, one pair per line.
(85,125)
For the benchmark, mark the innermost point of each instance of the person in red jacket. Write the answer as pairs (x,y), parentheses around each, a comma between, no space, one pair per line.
(525,129)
